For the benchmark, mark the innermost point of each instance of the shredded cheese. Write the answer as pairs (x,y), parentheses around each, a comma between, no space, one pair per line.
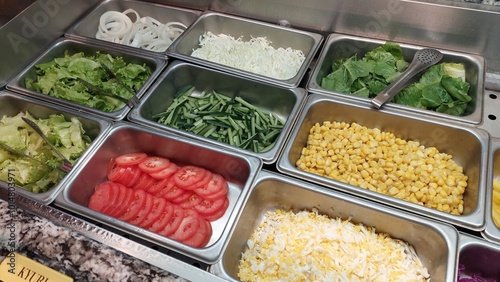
(307,246)
(256,55)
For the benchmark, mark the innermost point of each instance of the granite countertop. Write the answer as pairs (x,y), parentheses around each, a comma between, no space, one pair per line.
(69,252)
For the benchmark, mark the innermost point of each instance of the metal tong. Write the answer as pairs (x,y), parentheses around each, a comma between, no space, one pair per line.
(66,164)
(422,60)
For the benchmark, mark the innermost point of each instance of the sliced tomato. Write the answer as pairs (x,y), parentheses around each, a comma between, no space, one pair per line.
(173,193)
(157,186)
(188,176)
(192,200)
(165,173)
(174,222)
(130,159)
(114,171)
(162,221)
(216,187)
(209,233)
(130,176)
(126,198)
(218,214)
(202,183)
(102,196)
(165,189)
(182,198)
(154,164)
(159,205)
(200,236)
(145,210)
(209,207)
(144,182)
(135,207)
(189,226)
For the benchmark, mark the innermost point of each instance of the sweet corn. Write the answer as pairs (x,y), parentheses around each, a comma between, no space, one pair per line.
(379,161)
(496,202)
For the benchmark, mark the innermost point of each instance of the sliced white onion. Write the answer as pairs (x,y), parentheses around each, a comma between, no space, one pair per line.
(145,32)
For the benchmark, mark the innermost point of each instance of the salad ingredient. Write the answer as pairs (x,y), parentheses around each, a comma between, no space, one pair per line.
(495,207)
(133,195)
(463,276)
(233,121)
(442,88)
(308,246)
(256,55)
(68,136)
(379,161)
(61,78)
(145,32)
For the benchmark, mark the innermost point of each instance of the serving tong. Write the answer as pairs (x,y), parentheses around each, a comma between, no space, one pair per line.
(132,102)
(66,165)
(422,60)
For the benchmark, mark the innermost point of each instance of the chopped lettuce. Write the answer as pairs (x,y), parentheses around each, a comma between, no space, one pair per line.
(67,135)
(442,88)
(58,78)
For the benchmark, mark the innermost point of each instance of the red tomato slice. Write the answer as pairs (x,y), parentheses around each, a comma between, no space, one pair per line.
(182,198)
(159,205)
(174,222)
(216,187)
(209,233)
(100,199)
(144,182)
(112,202)
(115,171)
(200,236)
(188,176)
(218,214)
(135,207)
(160,223)
(129,176)
(192,200)
(126,197)
(165,189)
(130,159)
(189,226)
(145,210)
(154,164)
(165,173)
(209,207)
(202,183)
(157,186)
(173,193)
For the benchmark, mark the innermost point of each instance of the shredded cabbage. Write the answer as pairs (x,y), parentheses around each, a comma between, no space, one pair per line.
(256,55)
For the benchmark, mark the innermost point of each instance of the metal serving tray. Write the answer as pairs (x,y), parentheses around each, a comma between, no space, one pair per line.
(491,231)
(283,102)
(339,46)
(124,137)
(467,145)
(479,256)
(246,28)
(59,47)
(12,104)
(87,27)
(435,242)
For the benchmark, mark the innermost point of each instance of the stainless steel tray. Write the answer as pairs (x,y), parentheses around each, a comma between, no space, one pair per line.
(467,145)
(124,137)
(246,28)
(62,45)
(435,242)
(283,102)
(491,231)
(86,28)
(95,127)
(338,46)
(479,256)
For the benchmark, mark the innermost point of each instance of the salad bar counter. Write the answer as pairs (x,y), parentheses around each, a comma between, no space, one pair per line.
(241,141)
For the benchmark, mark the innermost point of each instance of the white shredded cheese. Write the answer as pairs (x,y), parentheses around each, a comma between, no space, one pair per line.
(307,246)
(256,55)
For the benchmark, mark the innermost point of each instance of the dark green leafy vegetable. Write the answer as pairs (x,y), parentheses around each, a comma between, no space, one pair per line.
(58,78)
(229,120)
(442,88)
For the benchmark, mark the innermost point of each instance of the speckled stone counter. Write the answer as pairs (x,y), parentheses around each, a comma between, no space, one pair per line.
(69,252)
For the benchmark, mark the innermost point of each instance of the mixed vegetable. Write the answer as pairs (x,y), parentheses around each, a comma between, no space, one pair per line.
(230,120)
(69,78)
(442,88)
(154,193)
(38,171)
